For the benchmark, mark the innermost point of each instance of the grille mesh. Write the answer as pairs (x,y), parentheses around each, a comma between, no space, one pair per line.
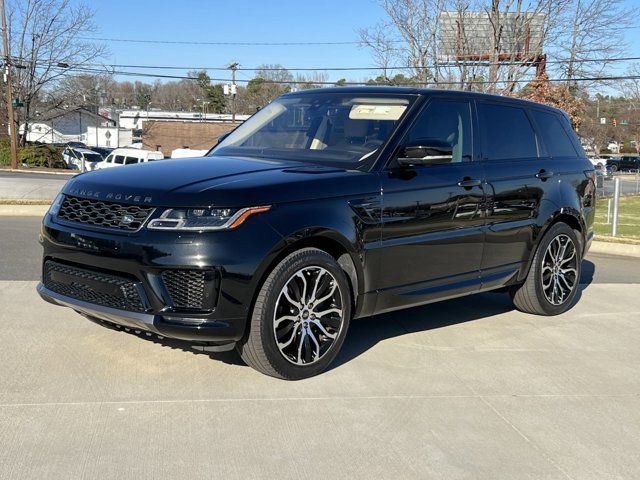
(81,284)
(186,287)
(103,214)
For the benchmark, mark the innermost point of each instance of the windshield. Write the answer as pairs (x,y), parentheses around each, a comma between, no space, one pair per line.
(329,128)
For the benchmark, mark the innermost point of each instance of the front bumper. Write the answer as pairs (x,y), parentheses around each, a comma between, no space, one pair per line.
(233,258)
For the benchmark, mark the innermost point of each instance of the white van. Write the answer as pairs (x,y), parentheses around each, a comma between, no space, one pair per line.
(128,156)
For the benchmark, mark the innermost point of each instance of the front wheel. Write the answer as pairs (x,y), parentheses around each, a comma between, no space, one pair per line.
(300,317)
(554,276)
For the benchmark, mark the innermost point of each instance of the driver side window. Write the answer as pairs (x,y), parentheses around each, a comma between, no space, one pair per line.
(444,126)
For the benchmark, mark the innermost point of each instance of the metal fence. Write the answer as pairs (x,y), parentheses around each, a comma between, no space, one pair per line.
(618,210)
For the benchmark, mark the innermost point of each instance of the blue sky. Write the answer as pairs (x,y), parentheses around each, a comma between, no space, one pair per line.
(248,21)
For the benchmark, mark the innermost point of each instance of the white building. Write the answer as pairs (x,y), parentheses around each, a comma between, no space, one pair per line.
(133,119)
(62,126)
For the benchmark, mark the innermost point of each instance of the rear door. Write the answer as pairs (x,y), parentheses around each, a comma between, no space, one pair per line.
(517,173)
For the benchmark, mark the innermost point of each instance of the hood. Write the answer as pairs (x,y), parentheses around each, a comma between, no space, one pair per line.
(220,181)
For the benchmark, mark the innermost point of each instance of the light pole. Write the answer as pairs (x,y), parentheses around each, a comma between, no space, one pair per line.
(234,89)
(9,89)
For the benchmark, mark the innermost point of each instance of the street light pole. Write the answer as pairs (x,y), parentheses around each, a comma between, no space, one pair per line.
(9,89)
(233,67)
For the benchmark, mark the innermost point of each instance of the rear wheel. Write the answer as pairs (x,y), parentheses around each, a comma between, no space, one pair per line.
(552,282)
(300,317)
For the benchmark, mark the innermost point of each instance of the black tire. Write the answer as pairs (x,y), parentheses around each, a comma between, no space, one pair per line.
(532,296)
(259,348)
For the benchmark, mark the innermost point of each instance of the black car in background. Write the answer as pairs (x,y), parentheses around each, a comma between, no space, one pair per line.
(103,151)
(325,206)
(627,163)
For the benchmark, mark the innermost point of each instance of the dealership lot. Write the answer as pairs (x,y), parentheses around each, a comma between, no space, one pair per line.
(467,388)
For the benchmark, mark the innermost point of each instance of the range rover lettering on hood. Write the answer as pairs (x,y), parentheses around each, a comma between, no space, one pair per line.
(127,197)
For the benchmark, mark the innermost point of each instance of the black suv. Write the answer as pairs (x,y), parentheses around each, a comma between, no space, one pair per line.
(627,163)
(325,206)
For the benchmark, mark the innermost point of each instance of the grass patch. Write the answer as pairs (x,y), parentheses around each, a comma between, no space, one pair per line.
(628,218)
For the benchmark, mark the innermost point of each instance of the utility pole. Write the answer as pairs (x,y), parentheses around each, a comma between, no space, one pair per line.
(233,67)
(9,88)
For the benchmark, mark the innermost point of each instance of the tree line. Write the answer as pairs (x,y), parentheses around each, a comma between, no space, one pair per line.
(494,46)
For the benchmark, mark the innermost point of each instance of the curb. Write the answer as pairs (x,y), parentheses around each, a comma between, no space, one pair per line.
(23,210)
(611,248)
(45,172)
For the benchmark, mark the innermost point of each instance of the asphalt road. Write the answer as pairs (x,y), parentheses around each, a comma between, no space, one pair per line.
(33,186)
(629,185)
(463,389)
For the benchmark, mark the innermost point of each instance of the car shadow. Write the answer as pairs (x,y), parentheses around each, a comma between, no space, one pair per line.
(365,333)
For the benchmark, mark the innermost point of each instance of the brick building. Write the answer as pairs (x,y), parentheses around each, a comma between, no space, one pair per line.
(167,136)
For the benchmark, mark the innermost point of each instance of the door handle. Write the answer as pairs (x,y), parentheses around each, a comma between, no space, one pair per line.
(544,175)
(468,183)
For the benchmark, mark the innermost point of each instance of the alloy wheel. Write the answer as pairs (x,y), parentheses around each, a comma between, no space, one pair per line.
(559,270)
(308,315)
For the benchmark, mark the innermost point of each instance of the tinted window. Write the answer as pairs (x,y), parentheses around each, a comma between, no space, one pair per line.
(92,157)
(444,122)
(130,160)
(118,159)
(109,159)
(506,132)
(553,134)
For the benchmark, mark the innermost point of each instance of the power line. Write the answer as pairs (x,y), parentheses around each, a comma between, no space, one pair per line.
(470,28)
(195,42)
(346,69)
(417,84)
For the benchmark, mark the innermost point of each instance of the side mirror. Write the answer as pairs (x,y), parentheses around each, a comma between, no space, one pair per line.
(223,136)
(425,151)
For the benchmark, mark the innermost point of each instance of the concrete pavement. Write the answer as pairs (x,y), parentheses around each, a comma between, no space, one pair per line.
(467,388)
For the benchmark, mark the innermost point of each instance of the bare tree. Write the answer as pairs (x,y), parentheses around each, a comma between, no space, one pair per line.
(382,47)
(46,37)
(311,80)
(464,43)
(594,30)
(87,90)
(270,81)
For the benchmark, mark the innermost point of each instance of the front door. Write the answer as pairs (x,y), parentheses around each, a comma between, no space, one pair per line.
(432,216)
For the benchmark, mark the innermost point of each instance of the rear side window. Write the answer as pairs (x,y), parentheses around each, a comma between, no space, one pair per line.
(130,160)
(118,159)
(554,135)
(506,132)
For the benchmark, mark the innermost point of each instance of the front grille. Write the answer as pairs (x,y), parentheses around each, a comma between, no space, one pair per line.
(103,214)
(186,288)
(92,287)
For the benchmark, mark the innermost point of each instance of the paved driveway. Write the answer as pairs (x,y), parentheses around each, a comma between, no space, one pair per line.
(467,388)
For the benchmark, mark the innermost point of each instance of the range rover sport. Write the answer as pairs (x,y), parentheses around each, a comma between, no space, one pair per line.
(325,206)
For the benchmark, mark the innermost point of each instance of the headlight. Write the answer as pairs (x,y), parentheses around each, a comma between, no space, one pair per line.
(55,206)
(203,219)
